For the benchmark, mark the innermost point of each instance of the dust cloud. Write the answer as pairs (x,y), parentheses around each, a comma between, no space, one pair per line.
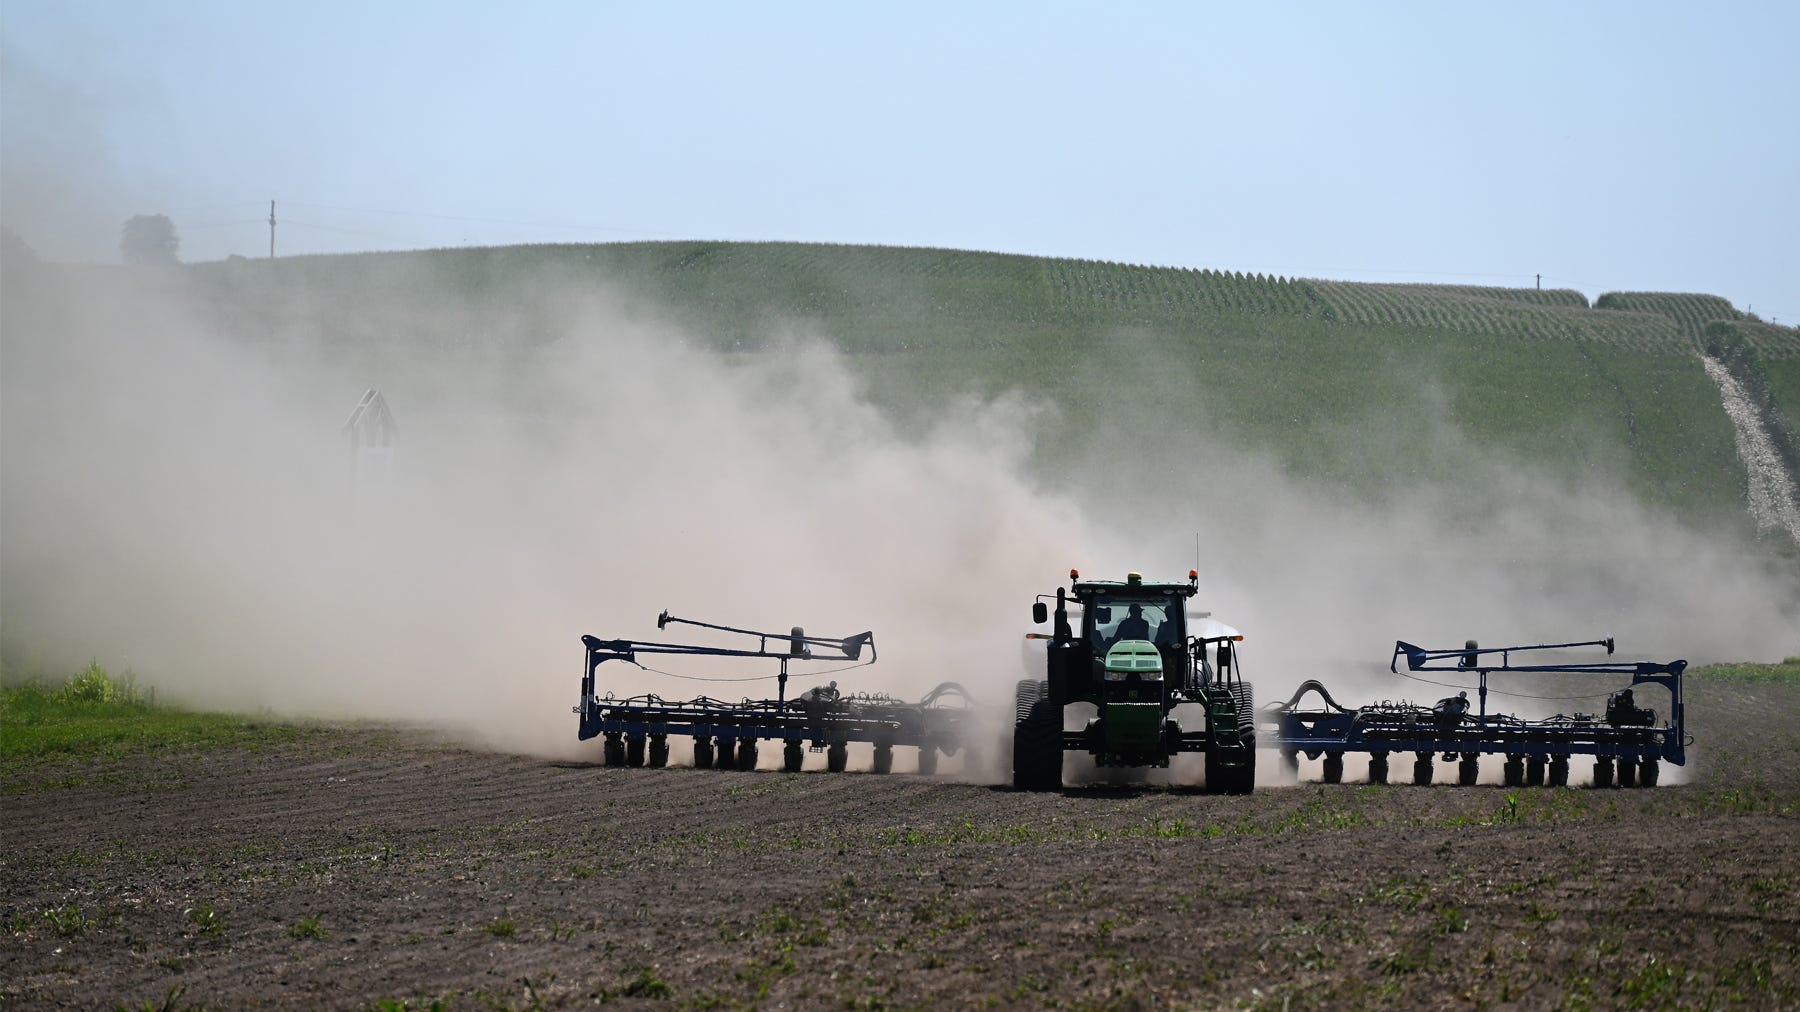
(1323,580)
(179,500)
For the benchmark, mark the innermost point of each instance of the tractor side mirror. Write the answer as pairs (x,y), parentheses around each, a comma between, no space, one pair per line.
(1224,664)
(1040,612)
(1102,614)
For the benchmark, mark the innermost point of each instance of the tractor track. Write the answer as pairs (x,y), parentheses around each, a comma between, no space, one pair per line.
(438,871)
(1771,489)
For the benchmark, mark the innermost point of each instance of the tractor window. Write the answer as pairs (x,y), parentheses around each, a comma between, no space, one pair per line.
(1156,619)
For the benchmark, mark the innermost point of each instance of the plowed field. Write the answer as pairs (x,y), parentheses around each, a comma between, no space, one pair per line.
(364,864)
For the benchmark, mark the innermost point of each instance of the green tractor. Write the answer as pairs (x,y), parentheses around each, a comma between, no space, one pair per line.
(1135,659)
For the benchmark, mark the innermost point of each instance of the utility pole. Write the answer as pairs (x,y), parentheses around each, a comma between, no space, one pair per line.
(271,230)
(1540,277)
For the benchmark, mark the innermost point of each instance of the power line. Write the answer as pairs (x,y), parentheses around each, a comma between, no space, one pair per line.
(482,220)
(1317,273)
(1286,269)
(235,222)
(348,231)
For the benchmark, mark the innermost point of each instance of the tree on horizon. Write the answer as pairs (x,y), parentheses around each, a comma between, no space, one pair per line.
(149,239)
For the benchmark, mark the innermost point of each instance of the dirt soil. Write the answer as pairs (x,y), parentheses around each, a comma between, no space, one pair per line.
(368,865)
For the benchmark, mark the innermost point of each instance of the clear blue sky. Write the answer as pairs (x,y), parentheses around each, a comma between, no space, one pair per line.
(1607,146)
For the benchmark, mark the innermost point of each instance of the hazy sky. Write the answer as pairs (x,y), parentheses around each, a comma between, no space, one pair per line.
(1607,146)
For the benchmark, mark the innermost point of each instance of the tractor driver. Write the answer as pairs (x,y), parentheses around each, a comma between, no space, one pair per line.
(1134,626)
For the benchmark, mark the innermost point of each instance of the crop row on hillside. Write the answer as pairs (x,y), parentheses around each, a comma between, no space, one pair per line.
(1689,312)
(1568,298)
(1303,370)
(950,283)
(1497,312)
(736,289)
(1082,285)
(1769,342)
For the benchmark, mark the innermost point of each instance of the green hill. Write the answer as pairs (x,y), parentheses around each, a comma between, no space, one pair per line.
(1369,387)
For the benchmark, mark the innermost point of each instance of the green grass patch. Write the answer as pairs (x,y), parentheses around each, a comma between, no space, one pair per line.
(1318,814)
(67,920)
(1786,672)
(207,921)
(308,927)
(647,985)
(98,715)
(968,832)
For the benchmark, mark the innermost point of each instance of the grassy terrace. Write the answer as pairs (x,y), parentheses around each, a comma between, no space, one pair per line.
(97,716)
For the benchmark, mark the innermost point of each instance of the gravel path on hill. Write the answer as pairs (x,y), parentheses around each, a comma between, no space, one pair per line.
(1772,496)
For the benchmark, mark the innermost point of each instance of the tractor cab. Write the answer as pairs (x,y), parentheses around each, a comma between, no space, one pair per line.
(1131,637)
(1112,618)
(1136,634)
(1128,635)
